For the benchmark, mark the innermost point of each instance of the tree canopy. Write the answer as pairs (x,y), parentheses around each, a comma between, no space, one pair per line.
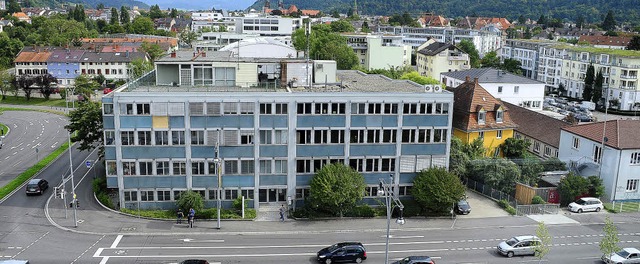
(85,125)
(514,148)
(468,47)
(609,22)
(437,190)
(417,78)
(336,188)
(326,45)
(587,93)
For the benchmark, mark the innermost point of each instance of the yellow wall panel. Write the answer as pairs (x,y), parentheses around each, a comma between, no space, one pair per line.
(160,122)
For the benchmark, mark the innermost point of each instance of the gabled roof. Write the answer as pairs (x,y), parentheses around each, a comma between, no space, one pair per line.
(70,55)
(537,125)
(606,40)
(469,98)
(620,134)
(435,48)
(32,56)
(490,75)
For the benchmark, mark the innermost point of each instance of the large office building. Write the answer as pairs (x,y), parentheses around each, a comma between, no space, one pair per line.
(160,139)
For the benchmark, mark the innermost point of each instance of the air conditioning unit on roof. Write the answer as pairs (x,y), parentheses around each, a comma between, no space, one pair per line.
(428,88)
(437,88)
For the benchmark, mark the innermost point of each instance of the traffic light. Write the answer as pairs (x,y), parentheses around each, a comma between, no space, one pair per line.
(59,191)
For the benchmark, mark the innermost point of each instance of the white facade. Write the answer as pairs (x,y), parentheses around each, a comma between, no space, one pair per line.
(260,48)
(526,52)
(379,51)
(207,16)
(267,26)
(620,170)
(484,40)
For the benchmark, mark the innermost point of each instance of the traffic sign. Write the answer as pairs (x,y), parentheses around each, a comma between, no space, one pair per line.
(88,163)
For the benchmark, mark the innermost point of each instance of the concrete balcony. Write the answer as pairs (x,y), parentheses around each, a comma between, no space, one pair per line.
(627,87)
(634,77)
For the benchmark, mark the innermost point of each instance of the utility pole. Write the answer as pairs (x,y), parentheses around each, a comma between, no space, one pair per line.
(389,195)
(217,161)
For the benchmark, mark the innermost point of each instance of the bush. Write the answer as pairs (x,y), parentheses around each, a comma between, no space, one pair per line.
(237,203)
(504,204)
(104,199)
(190,199)
(411,208)
(361,211)
(537,200)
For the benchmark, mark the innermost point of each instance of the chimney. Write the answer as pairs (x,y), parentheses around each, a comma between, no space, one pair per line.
(204,54)
(467,79)
(173,54)
(475,81)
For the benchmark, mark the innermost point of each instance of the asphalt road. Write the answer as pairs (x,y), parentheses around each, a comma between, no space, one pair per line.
(32,136)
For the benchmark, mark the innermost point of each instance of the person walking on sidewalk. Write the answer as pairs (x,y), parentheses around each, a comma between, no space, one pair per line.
(282,210)
(180,216)
(192,215)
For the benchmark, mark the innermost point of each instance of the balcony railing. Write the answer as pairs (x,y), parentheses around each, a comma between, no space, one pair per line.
(626,87)
(624,76)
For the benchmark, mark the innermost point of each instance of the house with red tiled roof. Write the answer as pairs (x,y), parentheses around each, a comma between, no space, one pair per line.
(607,42)
(610,150)
(21,16)
(430,20)
(294,9)
(32,61)
(481,22)
(477,114)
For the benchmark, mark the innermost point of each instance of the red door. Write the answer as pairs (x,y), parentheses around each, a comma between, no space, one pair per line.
(554,196)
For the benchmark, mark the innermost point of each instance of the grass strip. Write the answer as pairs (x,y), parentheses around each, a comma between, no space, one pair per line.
(30,172)
(2,109)
(34,101)
(627,207)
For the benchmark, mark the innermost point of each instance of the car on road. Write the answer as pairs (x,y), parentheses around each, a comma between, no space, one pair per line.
(416,260)
(343,252)
(194,261)
(626,255)
(519,245)
(14,261)
(36,186)
(463,207)
(586,204)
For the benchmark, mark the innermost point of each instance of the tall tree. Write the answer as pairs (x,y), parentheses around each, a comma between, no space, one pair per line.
(609,22)
(78,13)
(142,25)
(543,248)
(500,174)
(468,47)
(85,125)
(187,36)
(542,21)
(25,82)
(580,21)
(490,60)
(437,190)
(46,83)
(514,148)
(173,13)
(124,15)
(335,188)
(139,67)
(597,87)
(609,243)
(589,77)
(634,44)
(571,187)
(155,12)
(341,26)
(522,20)
(115,19)
(326,45)
(85,86)
(13,7)
(5,83)
(154,50)
(512,65)
(365,27)
(100,6)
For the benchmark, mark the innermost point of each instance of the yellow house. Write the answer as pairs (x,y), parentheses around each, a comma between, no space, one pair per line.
(477,114)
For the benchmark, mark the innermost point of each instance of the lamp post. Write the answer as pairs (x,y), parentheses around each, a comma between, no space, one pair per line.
(217,161)
(604,131)
(389,195)
(74,203)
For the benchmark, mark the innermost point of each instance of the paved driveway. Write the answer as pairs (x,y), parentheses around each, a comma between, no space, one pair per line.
(482,207)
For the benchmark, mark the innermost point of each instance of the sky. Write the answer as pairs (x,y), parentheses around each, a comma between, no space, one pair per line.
(201,5)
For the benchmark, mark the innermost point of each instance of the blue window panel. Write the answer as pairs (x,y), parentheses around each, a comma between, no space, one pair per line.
(273,151)
(319,150)
(176,122)
(107,99)
(369,121)
(425,120)
(407,177)
(155,182)
(373,150)
(374,178)
(135,122)
(321,121)
(134,152)
(232,121)
(303,180)
(423,149)
(389,121)
(204,181)
(112,182)
(270,121)
(107,122)
(236,152)
(266,180)
(238,181)
(203,152)
(110,153)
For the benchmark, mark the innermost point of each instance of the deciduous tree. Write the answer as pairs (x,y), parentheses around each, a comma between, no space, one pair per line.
(190,199)
(154,50)
(417,78)
(84,86)
(437,190)
(490,60)
(85,126)
(139,67)
(609,243)
(342,26)
(468,47)
(634,44)
(501,174)
(542,248)
(25,82)
(142,25)
(514,148)
(46,83)
(571,187)
(336,188)
(326,45)
(589,77)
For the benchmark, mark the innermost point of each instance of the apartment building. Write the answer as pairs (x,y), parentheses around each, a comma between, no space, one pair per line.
(526,51)
(379,51)
(434,58)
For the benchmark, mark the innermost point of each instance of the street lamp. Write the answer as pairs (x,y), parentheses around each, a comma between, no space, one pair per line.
(74,203)
(389,195)
(217,161)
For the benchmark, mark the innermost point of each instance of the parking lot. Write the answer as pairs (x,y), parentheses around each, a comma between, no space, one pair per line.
(482,207)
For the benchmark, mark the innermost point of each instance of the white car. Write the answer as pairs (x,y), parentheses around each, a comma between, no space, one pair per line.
(626,255)
(520,245)
(586,204)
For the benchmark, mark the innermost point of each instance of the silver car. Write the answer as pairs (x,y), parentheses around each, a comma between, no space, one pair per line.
(520,245)
(626,255)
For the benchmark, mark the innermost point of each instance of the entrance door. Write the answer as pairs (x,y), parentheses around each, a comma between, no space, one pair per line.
(272,195)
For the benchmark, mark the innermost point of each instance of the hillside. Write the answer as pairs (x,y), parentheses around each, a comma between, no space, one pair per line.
(88,3)
(592,10)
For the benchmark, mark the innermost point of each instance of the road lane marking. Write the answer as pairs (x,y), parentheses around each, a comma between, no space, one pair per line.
(400,237)
(202,241)
(116,241)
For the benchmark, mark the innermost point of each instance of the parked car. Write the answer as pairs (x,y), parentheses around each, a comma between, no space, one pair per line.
(585,204)
(626,255)
(343,252)
(37,186)
(194,261)
(415,260)
(519,245)
(14,261)
(463,207)
(107,90)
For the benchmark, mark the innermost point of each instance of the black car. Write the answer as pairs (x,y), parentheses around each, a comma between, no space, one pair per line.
(463,207)
(416,260)
(36,186)
(194,261)
(343,252)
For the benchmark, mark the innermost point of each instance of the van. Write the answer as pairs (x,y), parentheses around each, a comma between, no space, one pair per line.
(519,245)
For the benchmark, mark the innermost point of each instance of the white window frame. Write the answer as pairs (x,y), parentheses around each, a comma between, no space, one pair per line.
(632,185)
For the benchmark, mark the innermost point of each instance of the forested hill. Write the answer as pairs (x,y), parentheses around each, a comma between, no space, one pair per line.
(87,3)
(593,10)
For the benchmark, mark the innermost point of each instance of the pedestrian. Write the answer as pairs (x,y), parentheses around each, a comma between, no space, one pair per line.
(192,215)
(282,210)
(180,216)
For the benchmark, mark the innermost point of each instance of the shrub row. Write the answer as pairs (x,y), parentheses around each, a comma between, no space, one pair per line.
(507,207)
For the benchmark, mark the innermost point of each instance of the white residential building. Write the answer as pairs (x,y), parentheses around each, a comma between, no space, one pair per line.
(267,26)
(379,51)
(503,85)
(618,164)
(527,52)
(434,58)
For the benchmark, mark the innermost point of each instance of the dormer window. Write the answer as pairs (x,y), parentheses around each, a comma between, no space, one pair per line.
(482,116)
(499,115)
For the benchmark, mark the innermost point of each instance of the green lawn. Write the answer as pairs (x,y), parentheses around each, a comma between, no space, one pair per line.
(54,101)
(4,128)
(626,207)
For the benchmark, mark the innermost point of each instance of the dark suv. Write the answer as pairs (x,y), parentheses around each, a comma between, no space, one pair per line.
(36,186)
(415,260)
(343,252)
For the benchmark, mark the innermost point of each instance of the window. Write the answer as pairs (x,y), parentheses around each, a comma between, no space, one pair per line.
(146,167)
(128,167)
(230,194)
(536,147)
(248,194)
(281,109)
(547,151)
(162,168)
(280,137)
(499,89)
(146,196)
(230,167)
(410,109)
(389,135)
(390,108)
(499,115)
(280,166)
(197,167)
(130,196)
(265,109)
(481,134)
(179,168)
(499,134)
(632,185)
(197,137)
(265,137)
(597,154)
(108,109)
(162,137)
(321,108)
(304,108)
(338,108)
(144,138)
(246,167)
(109,137)
(576,142)
(112,169)
(635,158)
(265,167)
(482,116)
(164,195)
(408,136)
(439,135)
(516,89)
(177,137)
(127,138)
(303,166)
(337,136)
(143,109)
